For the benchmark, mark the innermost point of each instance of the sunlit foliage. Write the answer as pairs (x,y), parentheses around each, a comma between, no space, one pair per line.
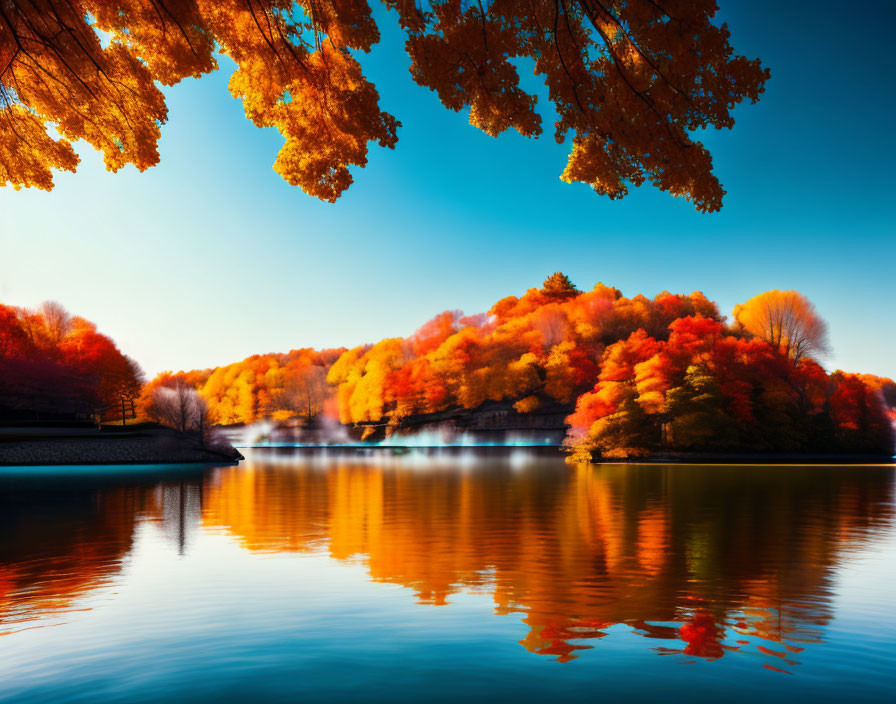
(787,320)
(544,345)
(630,82)
(636,375)
(53,363)
(277,386)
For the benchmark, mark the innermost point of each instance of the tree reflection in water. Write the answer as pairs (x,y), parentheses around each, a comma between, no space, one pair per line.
(697,560)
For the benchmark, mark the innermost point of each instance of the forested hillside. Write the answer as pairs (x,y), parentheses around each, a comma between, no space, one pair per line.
(639,375)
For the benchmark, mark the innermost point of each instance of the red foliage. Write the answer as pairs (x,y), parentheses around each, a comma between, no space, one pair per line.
(53,363)
(749,394)
(702,635)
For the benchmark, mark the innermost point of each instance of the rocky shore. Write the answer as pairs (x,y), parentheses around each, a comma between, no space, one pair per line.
(79,446)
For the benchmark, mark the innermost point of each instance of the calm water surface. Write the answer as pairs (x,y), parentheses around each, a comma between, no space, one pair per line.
(446,578)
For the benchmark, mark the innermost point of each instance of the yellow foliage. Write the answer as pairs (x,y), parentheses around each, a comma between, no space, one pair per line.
(787,320)
(528,404)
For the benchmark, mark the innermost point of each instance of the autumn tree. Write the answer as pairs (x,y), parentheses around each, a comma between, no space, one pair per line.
(125,381)
(631,82)
(57,321)
(886,388)
(275,386)
(303,393)
(698,416)
(558,285)
(860,420)
(786,320)
(627,431)
(704,390)
(180,407)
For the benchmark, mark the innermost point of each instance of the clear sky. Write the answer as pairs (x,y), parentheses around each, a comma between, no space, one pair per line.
(210,257)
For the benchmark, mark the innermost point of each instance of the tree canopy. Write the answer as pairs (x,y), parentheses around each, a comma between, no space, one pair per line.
(630,81)
(636,375)
(787,320)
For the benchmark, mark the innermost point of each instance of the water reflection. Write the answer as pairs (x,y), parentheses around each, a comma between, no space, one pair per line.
(689,554)
(697,560)
(64,536)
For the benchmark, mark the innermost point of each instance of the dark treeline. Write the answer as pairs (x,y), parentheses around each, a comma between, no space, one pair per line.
(55,365)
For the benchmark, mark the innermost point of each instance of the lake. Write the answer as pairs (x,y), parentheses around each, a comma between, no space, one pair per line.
(447,576)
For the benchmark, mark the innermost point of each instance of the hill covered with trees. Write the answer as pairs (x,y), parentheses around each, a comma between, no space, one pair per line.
(634,376)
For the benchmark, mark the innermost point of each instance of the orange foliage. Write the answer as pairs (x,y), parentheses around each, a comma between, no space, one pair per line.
(546,344)
(194,379)
(785,319)
(629,82)
(858,411)
(279,386)
(639,375)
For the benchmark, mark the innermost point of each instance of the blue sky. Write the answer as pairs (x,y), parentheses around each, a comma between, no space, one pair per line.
(210,257)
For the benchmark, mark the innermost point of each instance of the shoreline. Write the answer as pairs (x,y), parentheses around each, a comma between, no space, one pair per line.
(157,445)
(808,460)
(67,446)
(558,450)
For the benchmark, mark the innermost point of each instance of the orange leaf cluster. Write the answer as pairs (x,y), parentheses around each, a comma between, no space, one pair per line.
(630,82)
(91,68)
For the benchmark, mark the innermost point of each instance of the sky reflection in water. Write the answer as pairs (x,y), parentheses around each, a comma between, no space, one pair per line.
(323,577)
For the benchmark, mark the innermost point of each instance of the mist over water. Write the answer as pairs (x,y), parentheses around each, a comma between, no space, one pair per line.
(444,575)
(329,432)
(450,437)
